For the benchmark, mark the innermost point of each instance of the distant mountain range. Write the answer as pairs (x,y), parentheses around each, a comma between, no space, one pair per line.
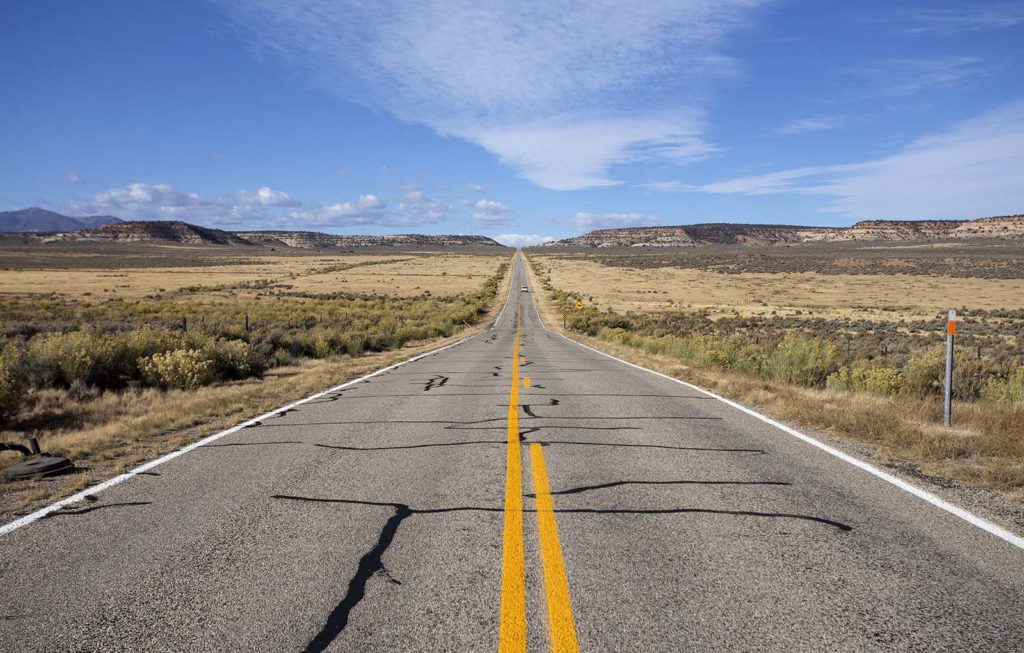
(48,227)
(43,221)
(1004,227)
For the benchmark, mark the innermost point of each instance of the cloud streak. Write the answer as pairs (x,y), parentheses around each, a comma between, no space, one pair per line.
(946,21)
(974,168)
(812,124)
(910,76)
(561,94)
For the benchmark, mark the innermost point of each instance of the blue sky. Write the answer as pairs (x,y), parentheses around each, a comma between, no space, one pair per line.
(525,120)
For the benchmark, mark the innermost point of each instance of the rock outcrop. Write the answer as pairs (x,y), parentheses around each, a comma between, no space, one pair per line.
(1006,227)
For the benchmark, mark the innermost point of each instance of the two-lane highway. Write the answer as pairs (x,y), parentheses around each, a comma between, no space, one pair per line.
(514,491)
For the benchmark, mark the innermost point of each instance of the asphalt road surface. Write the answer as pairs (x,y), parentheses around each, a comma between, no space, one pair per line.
(630,513)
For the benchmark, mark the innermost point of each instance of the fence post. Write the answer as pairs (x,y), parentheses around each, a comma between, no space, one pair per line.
(950,332)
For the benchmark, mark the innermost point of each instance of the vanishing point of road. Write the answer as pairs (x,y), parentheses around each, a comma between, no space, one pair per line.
(516,491)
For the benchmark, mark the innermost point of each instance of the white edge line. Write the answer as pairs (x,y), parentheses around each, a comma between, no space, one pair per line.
(109,483)
(935,500)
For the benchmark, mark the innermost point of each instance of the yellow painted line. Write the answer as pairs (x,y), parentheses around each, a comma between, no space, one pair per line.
(512,628)
(526,382)
(556,584)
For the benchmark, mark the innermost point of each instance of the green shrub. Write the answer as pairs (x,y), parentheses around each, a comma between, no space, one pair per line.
(186,369)
(883,381)
(234,359)
(971,374)
(12,392)
(924,373)
(1009,390)
(148,340)
(802,361)
(80,356)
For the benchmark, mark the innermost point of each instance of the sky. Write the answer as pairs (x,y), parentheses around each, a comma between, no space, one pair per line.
(525,121)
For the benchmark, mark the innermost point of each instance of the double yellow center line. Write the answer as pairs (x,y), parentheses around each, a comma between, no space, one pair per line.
(512,632)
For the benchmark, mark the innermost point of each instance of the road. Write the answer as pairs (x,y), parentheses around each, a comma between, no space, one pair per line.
(630,513)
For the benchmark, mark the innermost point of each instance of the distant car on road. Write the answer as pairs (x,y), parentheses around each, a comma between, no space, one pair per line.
(524,289)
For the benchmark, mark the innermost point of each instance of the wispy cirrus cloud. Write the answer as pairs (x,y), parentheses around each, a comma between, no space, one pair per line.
(812,124)
(560,93)
(669,186)
(974,168)
(949,20)
(902,77)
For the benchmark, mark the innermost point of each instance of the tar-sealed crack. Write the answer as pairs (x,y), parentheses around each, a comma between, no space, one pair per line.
(435,382)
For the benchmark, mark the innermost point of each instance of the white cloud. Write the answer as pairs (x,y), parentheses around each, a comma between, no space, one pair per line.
(365,210)
(265,196)
(144,201)
(414,209)
(264,208)
(477,188)
(588,221)
(560,93)
(150,200)
(427,210)
(812,124)
(945,21)
(73,177)
(973,169)
(523,240)
(490,212)
(568,154)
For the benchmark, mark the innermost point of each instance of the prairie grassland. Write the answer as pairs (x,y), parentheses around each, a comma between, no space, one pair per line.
(113,378)
(883,297)
(887,402)
(394,274)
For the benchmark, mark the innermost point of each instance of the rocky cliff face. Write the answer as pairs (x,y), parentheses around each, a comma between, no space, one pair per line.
(175,232)
(185,233)
(1007,227)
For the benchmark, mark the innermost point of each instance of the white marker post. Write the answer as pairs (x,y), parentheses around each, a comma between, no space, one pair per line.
(950,332)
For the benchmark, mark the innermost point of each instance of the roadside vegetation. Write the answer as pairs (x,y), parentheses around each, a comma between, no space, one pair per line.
(882,387)
(109,381)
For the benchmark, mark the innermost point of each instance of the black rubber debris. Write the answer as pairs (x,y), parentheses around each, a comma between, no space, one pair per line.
(38,467)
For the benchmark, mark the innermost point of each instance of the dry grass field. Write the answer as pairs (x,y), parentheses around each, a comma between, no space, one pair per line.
(23,273)
(885,297)
(115,355)
(843,340)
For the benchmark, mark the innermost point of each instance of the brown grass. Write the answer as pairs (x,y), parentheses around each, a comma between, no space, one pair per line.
(396,274)
(823,295)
